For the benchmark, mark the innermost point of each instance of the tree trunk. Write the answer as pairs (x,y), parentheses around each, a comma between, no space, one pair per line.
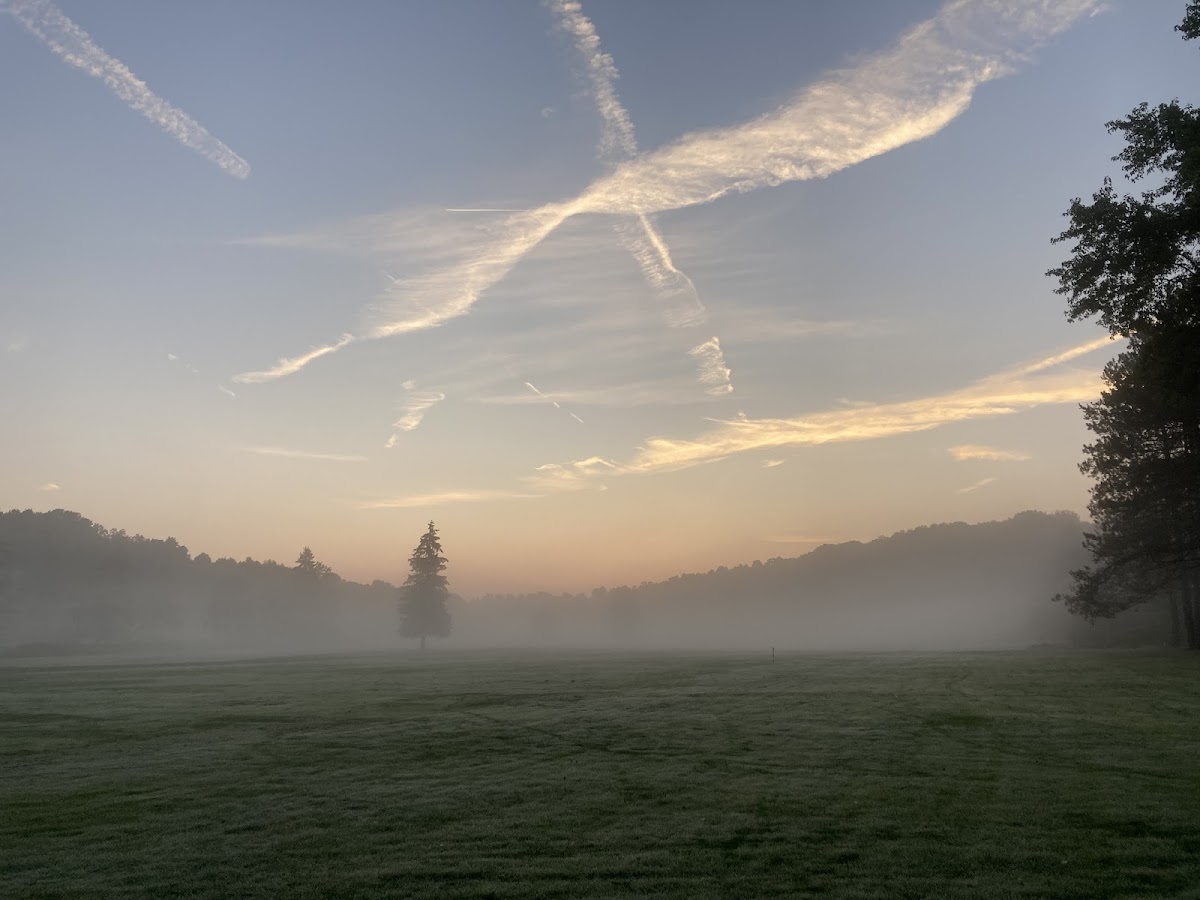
(1176,626)
(1187,602)
(1192,606)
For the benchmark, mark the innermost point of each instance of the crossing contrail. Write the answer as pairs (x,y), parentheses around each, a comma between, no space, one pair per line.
(618,143)
(906,93)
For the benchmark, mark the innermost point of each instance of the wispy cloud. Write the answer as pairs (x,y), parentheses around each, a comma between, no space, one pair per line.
(445,497)
(576,475)
(904,94)
(976,486)
(710,364)
(757,326)
(49,487)
(413,408)
(1004,393)
(802,539)
(772,463)
(74,46)
(427,301)
(288,453)
(226,391)
(14,345)
(963,452)
(177,360)
(642,393)
(287,366)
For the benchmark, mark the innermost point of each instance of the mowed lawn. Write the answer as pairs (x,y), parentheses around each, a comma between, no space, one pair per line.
(1037,774)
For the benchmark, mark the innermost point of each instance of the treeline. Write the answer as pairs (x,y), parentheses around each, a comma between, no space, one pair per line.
(65,580)
(936,587)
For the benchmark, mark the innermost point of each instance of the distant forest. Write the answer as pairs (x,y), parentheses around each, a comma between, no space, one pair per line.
(67,582)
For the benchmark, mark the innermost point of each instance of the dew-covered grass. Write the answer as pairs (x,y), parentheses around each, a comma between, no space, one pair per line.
(1038,774)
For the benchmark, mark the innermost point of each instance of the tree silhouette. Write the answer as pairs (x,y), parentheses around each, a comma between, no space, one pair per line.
(1191,22)
(307,564)
(423,595)
(1146,496)
(73,582)
(1135,267)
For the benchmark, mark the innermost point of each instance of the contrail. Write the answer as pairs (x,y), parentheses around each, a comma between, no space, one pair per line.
(976,486)
(618,144)
(1065,356)
(552,401)
(287,366)
(480,209)
(904,94)
(303,454)
(714,373)
(75,47)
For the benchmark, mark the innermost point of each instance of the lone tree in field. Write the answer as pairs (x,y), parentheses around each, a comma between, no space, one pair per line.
(423,596)
(1135,266)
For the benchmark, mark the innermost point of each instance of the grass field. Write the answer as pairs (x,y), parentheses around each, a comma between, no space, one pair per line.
(1039,774)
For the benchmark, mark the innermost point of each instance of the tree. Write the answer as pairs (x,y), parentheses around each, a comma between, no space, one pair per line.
(1191,22)
(307,564)
(1135,267)
(1146,497)
(423,595)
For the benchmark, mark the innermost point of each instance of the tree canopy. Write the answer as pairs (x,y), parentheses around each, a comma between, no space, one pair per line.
(308,564)
(423,595)
(70,581)
(1135,268)
(1191,22)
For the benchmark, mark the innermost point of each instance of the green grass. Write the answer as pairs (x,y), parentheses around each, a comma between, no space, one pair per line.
(1040,774)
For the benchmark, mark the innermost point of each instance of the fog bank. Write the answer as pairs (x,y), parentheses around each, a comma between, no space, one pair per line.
(69,585)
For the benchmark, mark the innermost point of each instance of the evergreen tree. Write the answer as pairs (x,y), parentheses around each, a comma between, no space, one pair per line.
(423,595)
(308,564)
(1135,267)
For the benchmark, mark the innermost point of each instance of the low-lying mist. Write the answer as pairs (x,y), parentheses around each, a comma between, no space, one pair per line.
(68,585)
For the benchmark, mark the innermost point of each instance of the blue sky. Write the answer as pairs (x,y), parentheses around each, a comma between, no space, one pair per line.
(767,275)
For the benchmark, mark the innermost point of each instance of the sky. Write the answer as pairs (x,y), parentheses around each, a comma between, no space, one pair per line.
(609,291)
